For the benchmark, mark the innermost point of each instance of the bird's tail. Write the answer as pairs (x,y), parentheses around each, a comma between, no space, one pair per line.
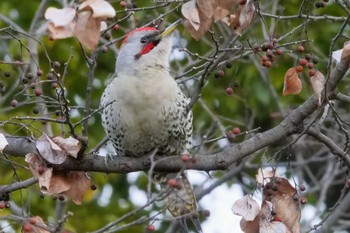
(180,201)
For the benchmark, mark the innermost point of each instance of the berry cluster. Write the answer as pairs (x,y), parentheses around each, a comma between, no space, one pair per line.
(307,61)
(270,51)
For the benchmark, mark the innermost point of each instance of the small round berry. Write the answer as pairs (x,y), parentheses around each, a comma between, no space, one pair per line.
(54,85)
(39,73)
(228,65)
(229,91)
(38,92)
(319,4)
(303,200)
(279,52)
(269,54)
(123,4)
(29,75)
(104,49)
(299,69)
(56,65)
(236,130)
(50,76)
(311,72)
(206,213)
(32,220)
(242,2)
(35,110)
(270,45)
(116,27)
(264,47)
(308,57)
(256,47)
(7,74)
(93,187)
(314,60)
(107,36)
(302,62)
(302,187)
(172,183)
(150,228)
(300,49)
(221,73)
(185,158)
(267,64)
(274,40)
(14,103)
(27,227)
(61,197)
(264,58)
(310,65)
(2,205)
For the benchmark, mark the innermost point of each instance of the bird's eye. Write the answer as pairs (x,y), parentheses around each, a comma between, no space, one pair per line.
(143,40)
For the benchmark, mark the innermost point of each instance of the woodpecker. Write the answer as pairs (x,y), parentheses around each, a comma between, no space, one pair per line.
(145,111)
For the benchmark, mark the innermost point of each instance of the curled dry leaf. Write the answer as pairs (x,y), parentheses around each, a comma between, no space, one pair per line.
(250,226)
(40,171)
(71,184)
(3,142)
(190,11)
(242,18)
(317,83)
(99,8)
(70,145)
(205,12)
(84,25)
(49,150)
(246,207)
(284,198)
(292,83)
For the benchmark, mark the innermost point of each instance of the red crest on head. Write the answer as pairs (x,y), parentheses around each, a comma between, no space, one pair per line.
(138,30)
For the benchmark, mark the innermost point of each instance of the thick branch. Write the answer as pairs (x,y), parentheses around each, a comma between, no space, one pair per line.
(219,161)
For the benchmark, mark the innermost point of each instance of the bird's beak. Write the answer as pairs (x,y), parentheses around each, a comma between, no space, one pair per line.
(169,30)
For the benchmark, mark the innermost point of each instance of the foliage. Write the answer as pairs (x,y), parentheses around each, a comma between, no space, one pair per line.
(233,71)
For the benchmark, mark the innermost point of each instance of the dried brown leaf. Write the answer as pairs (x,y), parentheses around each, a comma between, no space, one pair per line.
(3,142)
(317,83)
(250,226)
(80,185)
(70,146)
(190,11)
(87,29)
(242,18)
(292,83)
(40,171)
(60,17)
(207,7)
(284,198)
(223,9)
(49,150)
(267,223)
(246,207)
(99,8)
(345,55)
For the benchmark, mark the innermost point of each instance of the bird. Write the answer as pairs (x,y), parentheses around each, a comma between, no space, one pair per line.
(145,111)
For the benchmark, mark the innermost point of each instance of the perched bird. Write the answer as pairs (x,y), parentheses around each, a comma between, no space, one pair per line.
(145,111)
